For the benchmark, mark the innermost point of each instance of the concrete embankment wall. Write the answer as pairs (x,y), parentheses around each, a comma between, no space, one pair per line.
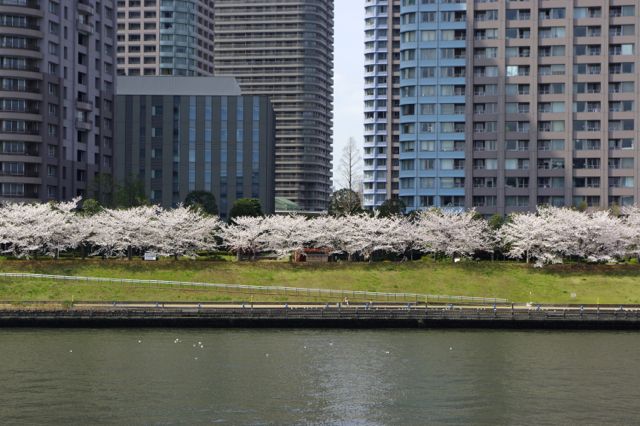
(324,318)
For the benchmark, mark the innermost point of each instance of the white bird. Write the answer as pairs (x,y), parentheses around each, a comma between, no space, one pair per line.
(386,352)
(70,351)
(139,341)
(450,348)
(267,355)
(330,343)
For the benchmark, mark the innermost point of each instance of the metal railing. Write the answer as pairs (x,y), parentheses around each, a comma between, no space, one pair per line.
(268,290)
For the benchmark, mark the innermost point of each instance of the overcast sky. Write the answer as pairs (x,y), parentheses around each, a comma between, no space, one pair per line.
(348,79)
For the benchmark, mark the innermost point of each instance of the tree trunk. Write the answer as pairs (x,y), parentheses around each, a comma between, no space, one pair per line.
(129,253)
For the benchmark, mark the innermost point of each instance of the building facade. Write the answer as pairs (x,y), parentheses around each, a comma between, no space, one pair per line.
(181,134)
(553,101)
(284,49)
(165,37)
(509,105)
(382,102)
(432,103)
(57,71)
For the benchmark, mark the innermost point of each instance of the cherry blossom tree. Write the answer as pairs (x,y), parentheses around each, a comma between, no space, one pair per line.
(246,236)
(116,232)
(27,230)
(524,235)
(285,234)
(453,232)
(183,231)
(631,221)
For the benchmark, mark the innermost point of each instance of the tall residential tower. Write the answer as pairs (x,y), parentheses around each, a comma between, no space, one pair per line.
(382,101)
(509,105)
(56,97)
(552,101)
(165,37)
(284,49)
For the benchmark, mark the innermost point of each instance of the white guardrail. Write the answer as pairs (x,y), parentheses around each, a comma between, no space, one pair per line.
(288,291)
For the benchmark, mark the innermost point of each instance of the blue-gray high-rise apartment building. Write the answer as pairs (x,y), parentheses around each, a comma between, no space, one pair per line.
(415,68)
(432,103)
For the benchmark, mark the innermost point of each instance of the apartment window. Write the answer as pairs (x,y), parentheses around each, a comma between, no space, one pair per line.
(617,11)
(485,89)
(517,126)
(485,108)
(552,32)
(622,30)
(427,164)
(427,146)
(517,145)
(621,163)
(621,87)
(617,125)
(621,143)
(556,69)
(621,49)
(587,12)
(517,201)
(589,69)
(517,107)
(484,145)
(586,144)
(547,51)
(484,126)
(484,201)
(486,34)
(586,125)
(551,126)
(427,183)
(550,163)
(586,163)
(452,182)
(551,107)
(551,145)
(517,70)
(407,165)
(516,164)
(621,68)
(588,106)
(552,13)
(550,182)
(448,146)
(485,71)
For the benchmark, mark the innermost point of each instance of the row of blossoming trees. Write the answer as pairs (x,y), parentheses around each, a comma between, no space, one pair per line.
(548,236)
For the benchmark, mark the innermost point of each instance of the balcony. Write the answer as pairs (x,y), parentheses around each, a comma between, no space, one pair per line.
(31,4)
(84,124)
(85,7)
(84,105)
(84,26)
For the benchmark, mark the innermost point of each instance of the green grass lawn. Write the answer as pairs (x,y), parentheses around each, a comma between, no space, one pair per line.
(513,281)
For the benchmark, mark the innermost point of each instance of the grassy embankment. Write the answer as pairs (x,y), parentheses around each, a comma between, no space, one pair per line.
(513,281)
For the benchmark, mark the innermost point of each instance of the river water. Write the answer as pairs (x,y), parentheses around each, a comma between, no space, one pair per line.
(204,376)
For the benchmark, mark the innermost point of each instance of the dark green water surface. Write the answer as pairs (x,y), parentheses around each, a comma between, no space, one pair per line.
(279,377)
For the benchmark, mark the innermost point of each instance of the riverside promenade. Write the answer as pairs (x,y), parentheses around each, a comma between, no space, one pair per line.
(361,315)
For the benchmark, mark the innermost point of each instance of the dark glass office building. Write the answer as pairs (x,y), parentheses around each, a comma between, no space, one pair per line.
(180,134)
